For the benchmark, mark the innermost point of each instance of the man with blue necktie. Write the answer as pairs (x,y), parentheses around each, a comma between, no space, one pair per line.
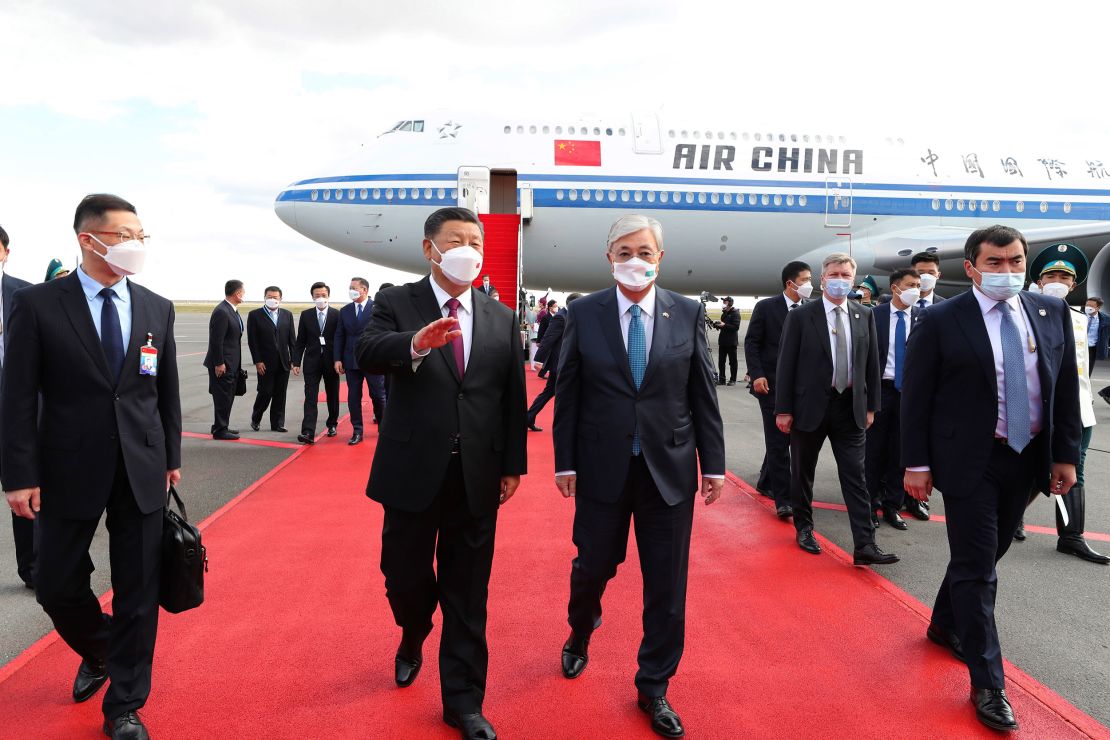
(990,409)
(315,349)
(271,338)
(893,322)
(225,357)
(353,318)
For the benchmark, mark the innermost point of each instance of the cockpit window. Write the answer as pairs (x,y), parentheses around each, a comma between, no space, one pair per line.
(414,126)
(417,126)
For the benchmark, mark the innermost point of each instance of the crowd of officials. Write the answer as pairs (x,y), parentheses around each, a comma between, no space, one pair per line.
(986,395)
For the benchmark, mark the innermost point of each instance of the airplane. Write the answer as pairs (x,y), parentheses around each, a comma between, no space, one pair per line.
(736,202)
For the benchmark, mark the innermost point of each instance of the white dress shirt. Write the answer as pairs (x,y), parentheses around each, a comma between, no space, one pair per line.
(122,302)
(790,304)
(992,317)
(888,369)
(927,298)
(831,323)
(466,322)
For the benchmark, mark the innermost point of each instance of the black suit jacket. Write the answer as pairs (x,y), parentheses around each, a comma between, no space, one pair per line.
(9,285)
(950,393)
(730,332)
(552,340)
(431,407)
(1102,351)
(597,405)
(805,368)
(882,330)
(71,448)
(225,338)
(348,331)
(761,343)
(269,343)
(307,352)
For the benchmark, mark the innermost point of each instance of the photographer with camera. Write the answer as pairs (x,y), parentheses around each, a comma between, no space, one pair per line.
(729,326)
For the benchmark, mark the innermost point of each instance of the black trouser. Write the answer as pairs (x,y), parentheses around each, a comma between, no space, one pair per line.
(544,396)
(884,454)
(312,398)
(776,461)
(847,442)
(1091,357)
(272,387)
(23,530)
(981,528)
(726,353)
(463,556)
(376,383)
(663,543)
(223,395)
(125,640)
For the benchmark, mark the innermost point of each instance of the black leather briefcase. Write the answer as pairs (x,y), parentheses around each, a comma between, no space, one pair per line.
(184,560)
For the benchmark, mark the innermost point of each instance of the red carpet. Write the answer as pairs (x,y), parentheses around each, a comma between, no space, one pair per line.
(296,639)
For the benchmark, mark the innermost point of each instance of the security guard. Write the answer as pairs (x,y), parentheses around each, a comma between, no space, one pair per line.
(1060,269)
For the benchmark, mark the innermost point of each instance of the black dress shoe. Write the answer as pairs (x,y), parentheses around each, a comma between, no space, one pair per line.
(808,542)
(90,677)
(664,720)
(281,430)
(127,726)
(993,709)
(254,426)
(355,438)
(470,726)
(534,428)
(306,439)
(232,431)
(1104,394)
(875,520)
(895,520)
(784,511)
(917,509)
(1019,533)
(873,555)
(575,655)
(1078,547)
(731,382)
(228,435)
(946,639)
(29,584)
(332,431)
(410,657)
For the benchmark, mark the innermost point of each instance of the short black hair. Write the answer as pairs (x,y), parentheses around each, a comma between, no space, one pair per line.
(485,277)
(438,218)
(997,235)
(924,257)
(573,297)
(897,275)
(4,241)
(383,286)
(1096,299)
(231,287)
(272,289)
(792,270)
(361,281)
(95,206)
(316,286)
(552,302)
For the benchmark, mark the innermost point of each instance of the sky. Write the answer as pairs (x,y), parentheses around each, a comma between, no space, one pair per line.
(199,113)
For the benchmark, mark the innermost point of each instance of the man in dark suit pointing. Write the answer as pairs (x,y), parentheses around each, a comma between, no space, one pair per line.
(635,413)
(225,357)
(990,408)
(107,438)
(270,338)
(450,451)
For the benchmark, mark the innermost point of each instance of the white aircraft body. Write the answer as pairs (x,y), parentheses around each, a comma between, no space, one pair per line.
(736,203)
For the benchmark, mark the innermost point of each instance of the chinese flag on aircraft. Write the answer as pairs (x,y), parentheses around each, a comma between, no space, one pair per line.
(580,153)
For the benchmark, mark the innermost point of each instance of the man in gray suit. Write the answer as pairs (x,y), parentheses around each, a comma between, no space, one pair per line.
(828,387)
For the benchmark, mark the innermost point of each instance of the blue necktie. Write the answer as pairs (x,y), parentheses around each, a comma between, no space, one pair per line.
(273,316)
(111,336)
(358,311)
(1017,386)
(921,303)
(899,349)
(637,360)
(320,321)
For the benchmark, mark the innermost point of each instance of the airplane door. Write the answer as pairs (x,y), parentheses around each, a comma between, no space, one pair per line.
(474,188)
(838,203)
(645,134)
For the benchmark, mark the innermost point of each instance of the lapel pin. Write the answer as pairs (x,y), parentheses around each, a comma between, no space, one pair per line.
(855,316)
(1042,312)
(666,315)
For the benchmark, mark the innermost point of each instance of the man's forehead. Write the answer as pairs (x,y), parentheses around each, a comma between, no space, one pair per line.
(1008,251)
(116,219)
(637,239)
(459,228)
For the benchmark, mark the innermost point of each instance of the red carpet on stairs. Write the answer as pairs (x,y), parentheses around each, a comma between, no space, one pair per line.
(296,639)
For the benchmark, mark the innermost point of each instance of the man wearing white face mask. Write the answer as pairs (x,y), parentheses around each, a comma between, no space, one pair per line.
(927,266)
(990,409)
(271,339)
(635,413)
(224,358)
(450,451)
(353,319)
(315,350)
(89,429)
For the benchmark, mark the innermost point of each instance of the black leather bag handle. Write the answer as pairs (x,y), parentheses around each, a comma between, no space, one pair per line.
(172,497)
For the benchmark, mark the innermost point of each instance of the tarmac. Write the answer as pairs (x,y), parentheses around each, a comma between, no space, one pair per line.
(1052,609)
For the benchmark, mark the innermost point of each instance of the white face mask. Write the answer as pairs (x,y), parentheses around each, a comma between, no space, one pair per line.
(1001,286)
(928,282)
(1089,310)
(125,258)
(910,296)
(635,273)
(273,303)
(838,287)
(460,265)
(1056,290)
(321,303)
(805,290)
(355,295)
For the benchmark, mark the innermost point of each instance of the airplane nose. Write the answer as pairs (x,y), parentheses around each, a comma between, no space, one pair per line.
(286,209)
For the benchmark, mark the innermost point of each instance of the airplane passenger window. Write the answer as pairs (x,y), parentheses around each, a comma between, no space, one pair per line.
(350,194)
(585,195)
(624,196)
(758,137)
(415,193)
(402,193)
(701,198)
(531,129)
(558,129)
(971,205)
(670,133)
(573,194)
(427,193)
(960,204)
(843,140)
(362,194)
(732,135)
(508,129)
(389,193)
(948,204)
(790,199)
(983,206)
(418,126)
(697,134)
(315,194)
(793,137)
(327,195)
(597,131)
(900,142)
(598,195)
(720,134)
(664,196)
(620,132)
(612,196)
(751,196)
(520,129)
(782,137)
(558,195)
(1020,206)
(805,138)
(764,199)
(338,194)
(608,132)
(689,197)
(802,200)
(714,198)
(651,196)
(547,129)
(570,130)
(936,204)
(454,194)
(778,200)
(638,196)
(996,206)
(727,198)
(377,193)
(1044,207)
(1067,208)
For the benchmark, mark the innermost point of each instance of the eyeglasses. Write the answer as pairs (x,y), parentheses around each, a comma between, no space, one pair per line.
(125,236)
(646,255)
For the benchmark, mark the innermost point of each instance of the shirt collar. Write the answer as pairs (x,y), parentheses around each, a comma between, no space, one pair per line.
(789,302)
(92,288)
(466,300)
(646,304)
(829,305)
(986,303)
(233,306)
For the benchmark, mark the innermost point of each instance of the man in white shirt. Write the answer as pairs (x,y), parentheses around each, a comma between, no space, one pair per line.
(927,265)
